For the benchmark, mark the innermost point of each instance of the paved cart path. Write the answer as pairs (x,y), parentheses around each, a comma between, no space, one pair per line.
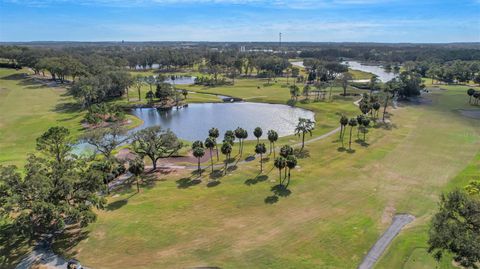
(399,221)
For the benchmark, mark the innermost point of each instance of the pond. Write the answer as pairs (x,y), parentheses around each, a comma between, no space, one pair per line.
(374,69)
(193,122)
(181,80)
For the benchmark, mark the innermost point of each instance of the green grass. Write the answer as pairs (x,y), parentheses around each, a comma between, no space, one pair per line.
(339,203)
(357,74)
(27,110)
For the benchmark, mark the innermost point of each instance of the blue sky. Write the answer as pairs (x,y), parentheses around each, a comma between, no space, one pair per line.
(236,20)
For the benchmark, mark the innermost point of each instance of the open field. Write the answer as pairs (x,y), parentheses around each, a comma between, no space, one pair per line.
(28,109)
(338,206)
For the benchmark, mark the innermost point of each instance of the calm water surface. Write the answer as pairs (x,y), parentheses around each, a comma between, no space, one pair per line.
(193,122)
(374,69)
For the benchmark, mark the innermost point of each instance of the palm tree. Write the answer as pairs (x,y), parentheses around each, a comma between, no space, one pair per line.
(261,149)
(136,167)
(199,152)
(226,150)
(149,96)
(184,93)
(291,163)
(286,150)
(344,80)
(197,144)
(359,122)
(258,133)
(241,134)
(352,122)
(137,83)
(476,95)
(272,137)
(214,133)
(470,93)
(151,80)
(280,163)
(304,126)
(365,123)
(343,124)
(210,143)
(376,106)
(306,91)
(294,92)
(373,83)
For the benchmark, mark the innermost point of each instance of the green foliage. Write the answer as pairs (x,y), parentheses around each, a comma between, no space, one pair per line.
(197,144)
(473,187)
(258,132)
(57,188)
(104,112)
(456,229)
(155,143)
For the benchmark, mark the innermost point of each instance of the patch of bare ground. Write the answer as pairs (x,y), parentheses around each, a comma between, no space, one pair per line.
(470,113)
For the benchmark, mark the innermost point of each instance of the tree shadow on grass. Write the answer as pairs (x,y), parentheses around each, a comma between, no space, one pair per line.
(301,154)
(281,190)
(67,107)
(116,205)
(216,174)
(350,151)
(341,149)
(385,125)
(250,158)
(271,199)
(231,168)
(66,241)
(13,246)
(257,179)
(214,183)
(186,182)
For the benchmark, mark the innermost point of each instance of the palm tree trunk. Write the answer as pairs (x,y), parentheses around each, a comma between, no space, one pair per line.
(274,150)
(303,140)
(280,175)
(385,109)
(216,149)
(198,165)
(138,186)
(261,163)
(139,95)
(341,130)
(350,142)
(211,158)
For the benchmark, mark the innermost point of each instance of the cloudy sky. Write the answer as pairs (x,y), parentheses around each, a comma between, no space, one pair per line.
(241,20)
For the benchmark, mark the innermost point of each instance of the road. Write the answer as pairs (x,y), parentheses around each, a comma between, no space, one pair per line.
(399,221)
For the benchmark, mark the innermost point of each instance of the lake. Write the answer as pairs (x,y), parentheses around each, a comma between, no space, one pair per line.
(181,80)
(193,122)
(374,69)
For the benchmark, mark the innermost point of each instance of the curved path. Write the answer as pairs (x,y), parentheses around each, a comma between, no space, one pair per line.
(399,221)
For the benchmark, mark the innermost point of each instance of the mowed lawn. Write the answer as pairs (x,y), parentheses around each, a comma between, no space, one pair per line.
(28,109)
(339,204)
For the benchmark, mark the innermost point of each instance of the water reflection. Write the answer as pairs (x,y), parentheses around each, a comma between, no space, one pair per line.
(193,122)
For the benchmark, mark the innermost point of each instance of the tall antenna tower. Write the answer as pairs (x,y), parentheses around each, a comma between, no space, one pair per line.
(279,40)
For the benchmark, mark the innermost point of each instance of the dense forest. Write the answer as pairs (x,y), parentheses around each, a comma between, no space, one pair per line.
(99,71)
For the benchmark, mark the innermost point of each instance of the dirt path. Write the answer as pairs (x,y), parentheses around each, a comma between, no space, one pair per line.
(399,221)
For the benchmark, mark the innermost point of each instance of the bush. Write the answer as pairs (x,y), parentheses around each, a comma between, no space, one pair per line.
(104,113)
